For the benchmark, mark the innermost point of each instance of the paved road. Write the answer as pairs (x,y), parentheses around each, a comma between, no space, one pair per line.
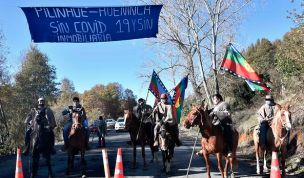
(113,142)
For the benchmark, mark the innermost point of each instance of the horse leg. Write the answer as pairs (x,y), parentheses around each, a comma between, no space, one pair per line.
(35,164)
(164,153)
(134,155)
(143,155)
(220,163)
(170,159)
(83,162)
(48,163)
(152,159)
(206,156)
(226,167)
(258,171)
(67,173)
(283,153)
(265,169)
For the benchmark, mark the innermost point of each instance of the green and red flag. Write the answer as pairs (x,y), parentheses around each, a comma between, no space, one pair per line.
(236,64)
(178,98)
(157,87)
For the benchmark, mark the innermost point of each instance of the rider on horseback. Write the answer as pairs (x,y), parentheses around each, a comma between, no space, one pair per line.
(67,128)
(265,115)
(142,111)
(221,114)
(50,124)
(164,114)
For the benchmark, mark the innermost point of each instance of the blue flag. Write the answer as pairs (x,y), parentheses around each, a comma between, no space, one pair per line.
(92,24)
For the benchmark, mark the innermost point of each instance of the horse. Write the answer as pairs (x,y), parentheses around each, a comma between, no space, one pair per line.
(167,140)
(76,142)
(40,143)
(276,137)
(213,140)
(137,129)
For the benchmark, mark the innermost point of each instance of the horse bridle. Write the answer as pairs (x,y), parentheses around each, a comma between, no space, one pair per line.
(77,123)
(192,119)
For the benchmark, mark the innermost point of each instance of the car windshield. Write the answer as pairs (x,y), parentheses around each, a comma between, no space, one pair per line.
(120,120)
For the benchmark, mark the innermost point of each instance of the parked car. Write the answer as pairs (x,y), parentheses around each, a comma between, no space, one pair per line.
(120,124)
(93,127)
(110,123)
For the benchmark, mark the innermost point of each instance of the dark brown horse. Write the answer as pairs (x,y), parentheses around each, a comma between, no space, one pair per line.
(213,140)
(133,124)
(76,142)
(167,144)
(40,143)
(276,137)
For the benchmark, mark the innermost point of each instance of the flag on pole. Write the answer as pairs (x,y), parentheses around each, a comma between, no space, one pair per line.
(178,98)
(157,87)
(236,64)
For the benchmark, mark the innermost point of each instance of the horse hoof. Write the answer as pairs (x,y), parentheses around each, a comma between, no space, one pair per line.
(145,168)
(258,172)
(265,169)
(84,176)
(151,161)
(133,167)
(232,175)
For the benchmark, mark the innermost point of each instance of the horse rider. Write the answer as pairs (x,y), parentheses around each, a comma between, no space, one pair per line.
(143,111)
(102,131)
(49,124)
(265,116)
(164,114)
(66,129)
(221,114)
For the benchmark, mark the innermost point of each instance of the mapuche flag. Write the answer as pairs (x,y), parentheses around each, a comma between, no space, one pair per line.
(157,87)
(179,96)
(236,64)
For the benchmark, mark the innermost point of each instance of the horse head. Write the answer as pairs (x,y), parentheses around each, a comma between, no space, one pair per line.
(77,118)
(128,118)
(164,137)
(283,116)
(195,117)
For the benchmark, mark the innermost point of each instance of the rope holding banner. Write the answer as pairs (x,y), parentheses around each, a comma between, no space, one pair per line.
(192,152)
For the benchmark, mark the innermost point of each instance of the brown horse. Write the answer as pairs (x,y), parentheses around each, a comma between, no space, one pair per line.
(76,142)
(167,144)
(276,137)
(213,140)
(133,124)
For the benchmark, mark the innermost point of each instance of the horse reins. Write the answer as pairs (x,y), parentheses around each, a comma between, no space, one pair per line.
(192,119)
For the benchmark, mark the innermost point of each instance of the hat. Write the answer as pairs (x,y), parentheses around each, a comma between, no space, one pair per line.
(140,99)
(40,99)
(163,96)
(76,98)
(269,97)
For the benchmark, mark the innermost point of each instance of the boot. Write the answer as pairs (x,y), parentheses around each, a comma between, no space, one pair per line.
(26,150)
(178,142)
(88,147)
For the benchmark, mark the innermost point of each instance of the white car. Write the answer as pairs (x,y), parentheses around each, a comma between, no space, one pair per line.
(110,123)
(120,124)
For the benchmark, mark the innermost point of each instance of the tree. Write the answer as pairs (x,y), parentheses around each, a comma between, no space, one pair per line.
(197,31)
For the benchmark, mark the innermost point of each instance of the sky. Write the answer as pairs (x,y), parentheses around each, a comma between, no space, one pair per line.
(88,64)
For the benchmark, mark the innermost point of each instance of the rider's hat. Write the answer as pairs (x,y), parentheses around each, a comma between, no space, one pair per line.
(268,97)
(140,99)
(41,99)
(75,98)
(163,96)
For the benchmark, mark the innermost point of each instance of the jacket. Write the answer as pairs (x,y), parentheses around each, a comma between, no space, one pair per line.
(165,113)
(223,112)
(102,128)
(48,114)
(137,110)
(67,111)
(264,112)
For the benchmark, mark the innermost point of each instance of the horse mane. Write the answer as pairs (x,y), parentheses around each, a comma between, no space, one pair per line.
(206,115)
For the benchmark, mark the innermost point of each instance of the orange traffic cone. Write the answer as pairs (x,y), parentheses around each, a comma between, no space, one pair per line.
(19,172)
(275,169)
(118,168)
(106,163)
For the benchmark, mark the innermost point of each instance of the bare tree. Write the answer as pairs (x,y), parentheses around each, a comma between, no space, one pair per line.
(196,32)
